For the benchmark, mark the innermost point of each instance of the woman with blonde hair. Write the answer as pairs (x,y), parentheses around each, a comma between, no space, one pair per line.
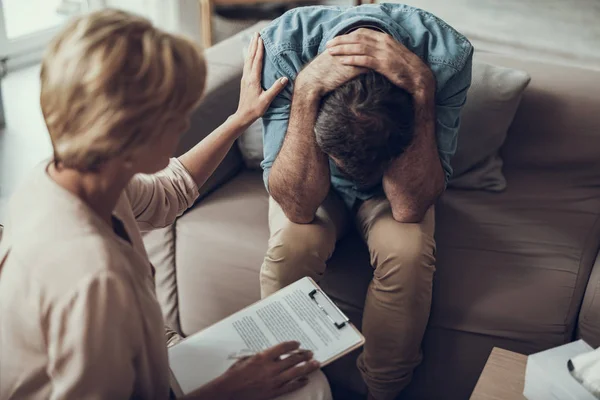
(79,318)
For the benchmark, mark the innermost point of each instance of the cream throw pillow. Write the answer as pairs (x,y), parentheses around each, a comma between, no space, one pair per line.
(491,105)
(251,145)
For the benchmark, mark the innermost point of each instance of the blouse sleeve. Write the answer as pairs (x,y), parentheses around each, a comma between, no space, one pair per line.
(158,199)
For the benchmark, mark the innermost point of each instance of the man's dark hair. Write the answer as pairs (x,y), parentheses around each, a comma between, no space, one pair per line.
(364,124)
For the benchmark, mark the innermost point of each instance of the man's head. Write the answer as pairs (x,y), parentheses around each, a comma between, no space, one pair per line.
(364,124)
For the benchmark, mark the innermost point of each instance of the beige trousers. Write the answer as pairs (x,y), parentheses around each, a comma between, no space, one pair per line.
(317,388)
(399,297)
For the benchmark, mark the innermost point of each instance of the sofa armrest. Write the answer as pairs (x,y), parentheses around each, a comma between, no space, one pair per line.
(589,316)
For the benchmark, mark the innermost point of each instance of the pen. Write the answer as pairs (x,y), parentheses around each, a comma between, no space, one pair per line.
(246,353)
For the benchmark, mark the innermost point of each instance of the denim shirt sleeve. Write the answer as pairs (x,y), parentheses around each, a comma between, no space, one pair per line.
(449,102)
(291,42)
(275,120)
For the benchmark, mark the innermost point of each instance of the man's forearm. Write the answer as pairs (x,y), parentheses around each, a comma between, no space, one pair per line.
(299,179)
(415,180)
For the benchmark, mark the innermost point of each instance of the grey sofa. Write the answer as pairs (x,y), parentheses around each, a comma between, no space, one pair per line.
(518,270)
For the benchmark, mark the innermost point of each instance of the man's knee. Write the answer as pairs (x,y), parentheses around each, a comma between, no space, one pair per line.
(403,259)
(297,242)
(296,251)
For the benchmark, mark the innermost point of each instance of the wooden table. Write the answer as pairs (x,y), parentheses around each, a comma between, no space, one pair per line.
(503,377)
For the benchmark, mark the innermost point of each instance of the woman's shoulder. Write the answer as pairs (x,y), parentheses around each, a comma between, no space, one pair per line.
(50,230)
(59,268)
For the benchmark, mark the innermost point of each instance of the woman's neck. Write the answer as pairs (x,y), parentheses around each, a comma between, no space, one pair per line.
(99,190)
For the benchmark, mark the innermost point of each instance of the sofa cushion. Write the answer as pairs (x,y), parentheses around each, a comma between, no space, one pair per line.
(515,265)
(220,246)
(511,265)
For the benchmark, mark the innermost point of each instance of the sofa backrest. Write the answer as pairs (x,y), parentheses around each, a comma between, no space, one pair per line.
(219,102)
(557,125)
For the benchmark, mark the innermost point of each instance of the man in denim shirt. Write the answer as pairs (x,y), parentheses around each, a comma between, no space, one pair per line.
(364,131)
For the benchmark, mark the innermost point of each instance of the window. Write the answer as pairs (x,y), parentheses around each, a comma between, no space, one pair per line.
(26,26)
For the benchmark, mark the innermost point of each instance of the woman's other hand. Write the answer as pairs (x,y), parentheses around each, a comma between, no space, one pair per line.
(254,101)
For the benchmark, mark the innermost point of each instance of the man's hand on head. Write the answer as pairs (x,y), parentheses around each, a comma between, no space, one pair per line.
(414,180)
(366,48)
(326,73)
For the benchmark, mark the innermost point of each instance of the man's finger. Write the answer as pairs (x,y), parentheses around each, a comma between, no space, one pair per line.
(369,35)
(359,61)
(294,359)
(286,347)
(359,36)
(355,49)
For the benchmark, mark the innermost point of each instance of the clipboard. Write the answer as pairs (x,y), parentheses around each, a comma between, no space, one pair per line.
(204,356)
(332,311)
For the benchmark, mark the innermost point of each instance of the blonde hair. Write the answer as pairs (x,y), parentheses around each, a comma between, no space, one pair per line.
(111,82)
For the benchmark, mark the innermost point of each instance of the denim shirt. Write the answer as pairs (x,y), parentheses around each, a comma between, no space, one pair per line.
(299,35)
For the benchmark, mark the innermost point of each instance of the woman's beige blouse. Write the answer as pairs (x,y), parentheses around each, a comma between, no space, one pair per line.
(79,317)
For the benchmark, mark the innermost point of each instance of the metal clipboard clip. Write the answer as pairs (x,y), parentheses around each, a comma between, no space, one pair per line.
(329,309)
